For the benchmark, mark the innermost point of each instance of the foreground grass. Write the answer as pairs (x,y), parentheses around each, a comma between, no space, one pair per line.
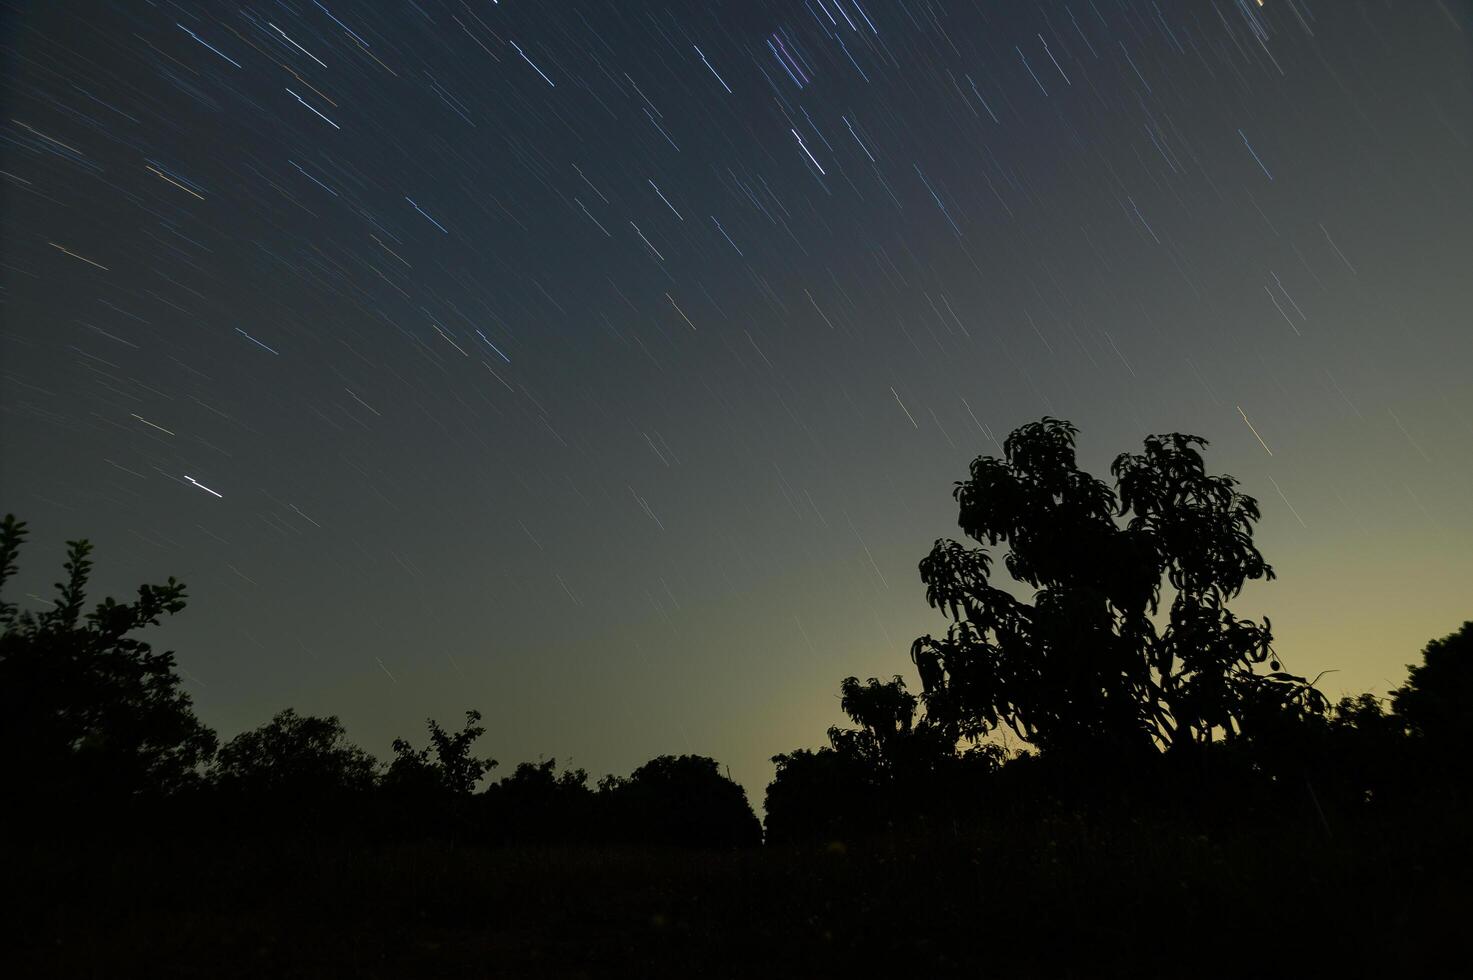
(1055,898)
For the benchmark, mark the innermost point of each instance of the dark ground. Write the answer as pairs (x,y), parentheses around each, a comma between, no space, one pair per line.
(1057,898)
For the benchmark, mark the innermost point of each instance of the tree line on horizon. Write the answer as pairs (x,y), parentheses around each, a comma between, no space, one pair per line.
(1127,679)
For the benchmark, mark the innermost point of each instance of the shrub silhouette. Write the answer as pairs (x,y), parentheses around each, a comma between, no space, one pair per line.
(295,776)
(294,754)
(1083,669)
(1368,761)
(1359,754)
(427,792)
(822,795)
(680,800)
(85,709)
(891,768)
(452,771)
(538,805)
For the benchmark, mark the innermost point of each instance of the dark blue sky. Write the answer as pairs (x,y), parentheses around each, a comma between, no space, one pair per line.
(607,367)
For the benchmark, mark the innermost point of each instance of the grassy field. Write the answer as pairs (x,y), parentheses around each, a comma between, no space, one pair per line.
(1055,898)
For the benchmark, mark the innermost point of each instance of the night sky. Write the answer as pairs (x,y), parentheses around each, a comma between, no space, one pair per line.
(608,367)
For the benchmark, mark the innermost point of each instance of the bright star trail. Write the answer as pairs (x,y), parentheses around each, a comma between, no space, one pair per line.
(604,343)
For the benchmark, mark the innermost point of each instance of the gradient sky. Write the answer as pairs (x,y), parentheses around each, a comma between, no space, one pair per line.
(607,367)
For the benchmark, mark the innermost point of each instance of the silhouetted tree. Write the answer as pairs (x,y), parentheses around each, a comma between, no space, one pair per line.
(1436,702)
(889,738)
(1359,753)
(86,709)
(681,800)
(1433,706)
(452,770)
(295,754)
(822,795)
(891,767)
(537,804)
(427,792)
(885,714)
(1084,668)
(1369,751)
(1342,760)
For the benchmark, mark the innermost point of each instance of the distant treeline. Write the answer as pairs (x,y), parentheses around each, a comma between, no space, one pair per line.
(101,738)
(310,781)
(1126,704)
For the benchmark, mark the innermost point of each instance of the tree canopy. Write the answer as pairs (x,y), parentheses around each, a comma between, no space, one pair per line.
(1088,666)
(294,754)
(1434,702)
(895,763)
(86,708)
(452,770)
(682,800)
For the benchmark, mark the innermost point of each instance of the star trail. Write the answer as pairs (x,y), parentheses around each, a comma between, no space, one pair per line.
(625,354)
